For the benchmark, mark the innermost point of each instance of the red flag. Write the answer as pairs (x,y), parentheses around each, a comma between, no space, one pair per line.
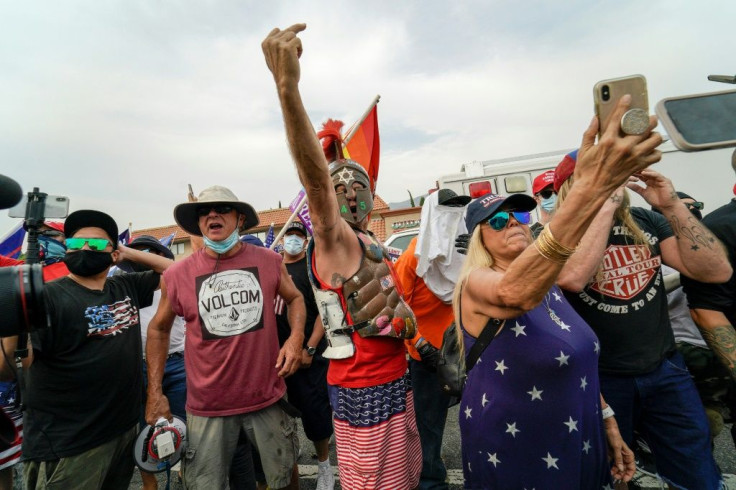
(364,146)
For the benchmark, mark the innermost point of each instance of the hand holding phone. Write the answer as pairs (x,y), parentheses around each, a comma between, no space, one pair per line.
(607,93)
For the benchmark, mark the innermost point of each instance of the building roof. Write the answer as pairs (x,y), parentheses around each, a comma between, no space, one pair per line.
(276,216)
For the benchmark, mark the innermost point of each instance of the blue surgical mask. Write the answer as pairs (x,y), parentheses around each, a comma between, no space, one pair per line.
(223,246)
(53,251)
(549,204)
(293,244)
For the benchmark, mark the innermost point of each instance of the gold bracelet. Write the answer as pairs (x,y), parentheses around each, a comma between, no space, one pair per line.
(547,253)
(549,248)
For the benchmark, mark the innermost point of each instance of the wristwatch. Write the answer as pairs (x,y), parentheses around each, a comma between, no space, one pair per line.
(311,351)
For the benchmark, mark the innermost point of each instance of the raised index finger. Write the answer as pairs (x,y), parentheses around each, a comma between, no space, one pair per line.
(296,28)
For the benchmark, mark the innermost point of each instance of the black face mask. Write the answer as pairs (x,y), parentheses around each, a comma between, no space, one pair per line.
(86,263)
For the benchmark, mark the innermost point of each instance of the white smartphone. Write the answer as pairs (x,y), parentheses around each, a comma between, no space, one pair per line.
(700,121)
(54,207)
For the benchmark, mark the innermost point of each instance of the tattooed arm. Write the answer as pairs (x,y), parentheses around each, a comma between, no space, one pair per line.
(694,250)
(719,334)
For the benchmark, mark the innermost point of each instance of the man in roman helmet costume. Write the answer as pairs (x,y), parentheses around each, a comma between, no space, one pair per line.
(364,315)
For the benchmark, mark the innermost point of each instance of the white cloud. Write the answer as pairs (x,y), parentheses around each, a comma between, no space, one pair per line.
(120,104)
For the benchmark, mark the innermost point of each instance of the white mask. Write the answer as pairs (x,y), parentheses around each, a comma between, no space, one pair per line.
(293,244)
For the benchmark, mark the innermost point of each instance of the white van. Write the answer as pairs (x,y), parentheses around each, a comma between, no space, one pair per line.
(706,176)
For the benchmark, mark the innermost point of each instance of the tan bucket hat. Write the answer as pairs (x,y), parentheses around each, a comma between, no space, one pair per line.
(186,214)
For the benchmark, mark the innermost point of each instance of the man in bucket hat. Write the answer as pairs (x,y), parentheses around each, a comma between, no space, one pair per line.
(225,291)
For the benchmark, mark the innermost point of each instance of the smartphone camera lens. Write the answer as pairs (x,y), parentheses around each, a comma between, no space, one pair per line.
(605,93)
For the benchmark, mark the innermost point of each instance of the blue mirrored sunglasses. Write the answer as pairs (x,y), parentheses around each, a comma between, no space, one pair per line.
(499,220)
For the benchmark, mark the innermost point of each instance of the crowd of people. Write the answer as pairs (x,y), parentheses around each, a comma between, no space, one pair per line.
(240,341)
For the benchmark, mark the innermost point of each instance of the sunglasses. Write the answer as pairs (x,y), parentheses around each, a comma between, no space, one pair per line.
(96,244)
(499,220)
(219,209)
(695,205)
(546,194)
(51,233)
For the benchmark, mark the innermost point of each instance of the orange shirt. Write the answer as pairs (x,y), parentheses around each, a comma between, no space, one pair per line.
(433,316)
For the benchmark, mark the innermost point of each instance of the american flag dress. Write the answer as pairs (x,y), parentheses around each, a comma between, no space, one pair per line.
(530,412)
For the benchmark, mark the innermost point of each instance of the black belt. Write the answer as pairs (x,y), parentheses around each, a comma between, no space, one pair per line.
(179,355)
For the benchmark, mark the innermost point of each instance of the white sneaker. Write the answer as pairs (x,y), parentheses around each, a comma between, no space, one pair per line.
(325,478)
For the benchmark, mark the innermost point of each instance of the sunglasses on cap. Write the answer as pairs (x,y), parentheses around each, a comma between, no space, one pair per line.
(499,220)
(219,209)
(695,205)
(51,233)
(96,244)
(546,194)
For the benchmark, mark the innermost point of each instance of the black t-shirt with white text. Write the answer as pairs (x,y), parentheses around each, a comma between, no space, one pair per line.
(85,383)
(717,297)
(626,303)
(298,272)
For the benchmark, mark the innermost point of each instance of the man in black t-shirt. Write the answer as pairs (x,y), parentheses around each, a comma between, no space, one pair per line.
(614,282)
(307,388)
(713,306)
(84,384)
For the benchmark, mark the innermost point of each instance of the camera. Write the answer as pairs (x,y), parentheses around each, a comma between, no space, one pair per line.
(605,93)
(21,287)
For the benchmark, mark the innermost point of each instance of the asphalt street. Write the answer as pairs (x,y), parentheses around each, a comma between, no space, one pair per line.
(724,452)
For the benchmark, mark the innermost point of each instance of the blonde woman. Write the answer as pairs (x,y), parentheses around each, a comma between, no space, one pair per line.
(531,414)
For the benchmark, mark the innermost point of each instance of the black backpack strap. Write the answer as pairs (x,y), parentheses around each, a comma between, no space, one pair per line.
(484,340)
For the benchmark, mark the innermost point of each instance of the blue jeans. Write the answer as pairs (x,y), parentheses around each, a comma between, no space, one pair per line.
(174,387)
(665,407)
(430,406)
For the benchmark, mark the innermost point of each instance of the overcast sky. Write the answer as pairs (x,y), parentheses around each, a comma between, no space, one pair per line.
(119,105)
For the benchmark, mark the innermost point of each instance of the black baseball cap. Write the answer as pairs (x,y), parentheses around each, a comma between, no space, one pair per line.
(85,218)
(448,197)
(147,241)
(486,206)
(298,226)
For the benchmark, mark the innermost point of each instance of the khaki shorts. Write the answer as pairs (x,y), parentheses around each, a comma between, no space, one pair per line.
(108,466)
(211,443)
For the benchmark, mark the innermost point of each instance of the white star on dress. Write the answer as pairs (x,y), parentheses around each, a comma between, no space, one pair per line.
(583,382)
(562,359)
(586,446)
(346,176)
(557,296)
(551,462)
(467,412)
(536,394)
(564,326)
(500,366)
(519,330)
(571,424)
(492,458)
(511,429)
(483,401)
(597,347)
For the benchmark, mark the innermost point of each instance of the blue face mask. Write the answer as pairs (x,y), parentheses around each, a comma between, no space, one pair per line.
(549,204)
(53,251)
(223,246)
(293,244)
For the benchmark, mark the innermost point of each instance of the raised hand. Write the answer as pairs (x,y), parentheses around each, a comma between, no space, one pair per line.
(616,156)
(282,50)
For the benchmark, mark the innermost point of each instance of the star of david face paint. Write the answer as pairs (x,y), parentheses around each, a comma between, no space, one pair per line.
(353,190)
